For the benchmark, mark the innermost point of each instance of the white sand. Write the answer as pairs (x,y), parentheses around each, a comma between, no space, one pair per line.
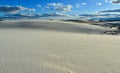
(43,50)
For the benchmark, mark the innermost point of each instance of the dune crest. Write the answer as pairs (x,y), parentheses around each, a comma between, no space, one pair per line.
(54,26)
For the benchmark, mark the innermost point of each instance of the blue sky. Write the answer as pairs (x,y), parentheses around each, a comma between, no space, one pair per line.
(62,6)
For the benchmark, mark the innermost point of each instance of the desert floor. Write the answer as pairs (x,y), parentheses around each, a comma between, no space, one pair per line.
(57,47)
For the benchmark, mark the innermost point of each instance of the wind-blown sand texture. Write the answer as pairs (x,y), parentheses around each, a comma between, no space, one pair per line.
(56,47)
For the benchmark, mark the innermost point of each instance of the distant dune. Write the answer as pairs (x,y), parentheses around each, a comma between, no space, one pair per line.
(57,47)
(53,25)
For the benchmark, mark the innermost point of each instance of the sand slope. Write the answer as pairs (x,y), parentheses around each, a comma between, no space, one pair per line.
(54,26)
(45,51)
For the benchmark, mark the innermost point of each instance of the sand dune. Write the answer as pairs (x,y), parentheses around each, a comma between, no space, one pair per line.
(51,49)
(53,25)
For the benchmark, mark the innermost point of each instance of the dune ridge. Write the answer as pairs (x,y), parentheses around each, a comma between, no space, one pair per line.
(53,25)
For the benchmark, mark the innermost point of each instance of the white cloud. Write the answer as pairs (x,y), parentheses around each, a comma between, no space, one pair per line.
(47,7)
(39,6)
(55,4)
(13,9)
(80,5)
(83,3)
(59,7)
(106,1)
(99,4)
(66,8)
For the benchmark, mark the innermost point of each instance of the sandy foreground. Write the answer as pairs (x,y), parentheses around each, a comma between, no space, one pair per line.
(57,47)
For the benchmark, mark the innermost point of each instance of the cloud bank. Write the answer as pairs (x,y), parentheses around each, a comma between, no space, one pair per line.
(36,15)
(14,9)
(101,17)
(114,10)
(116,1)
(113,1)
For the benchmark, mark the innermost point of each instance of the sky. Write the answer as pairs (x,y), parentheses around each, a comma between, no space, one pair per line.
(65,7)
